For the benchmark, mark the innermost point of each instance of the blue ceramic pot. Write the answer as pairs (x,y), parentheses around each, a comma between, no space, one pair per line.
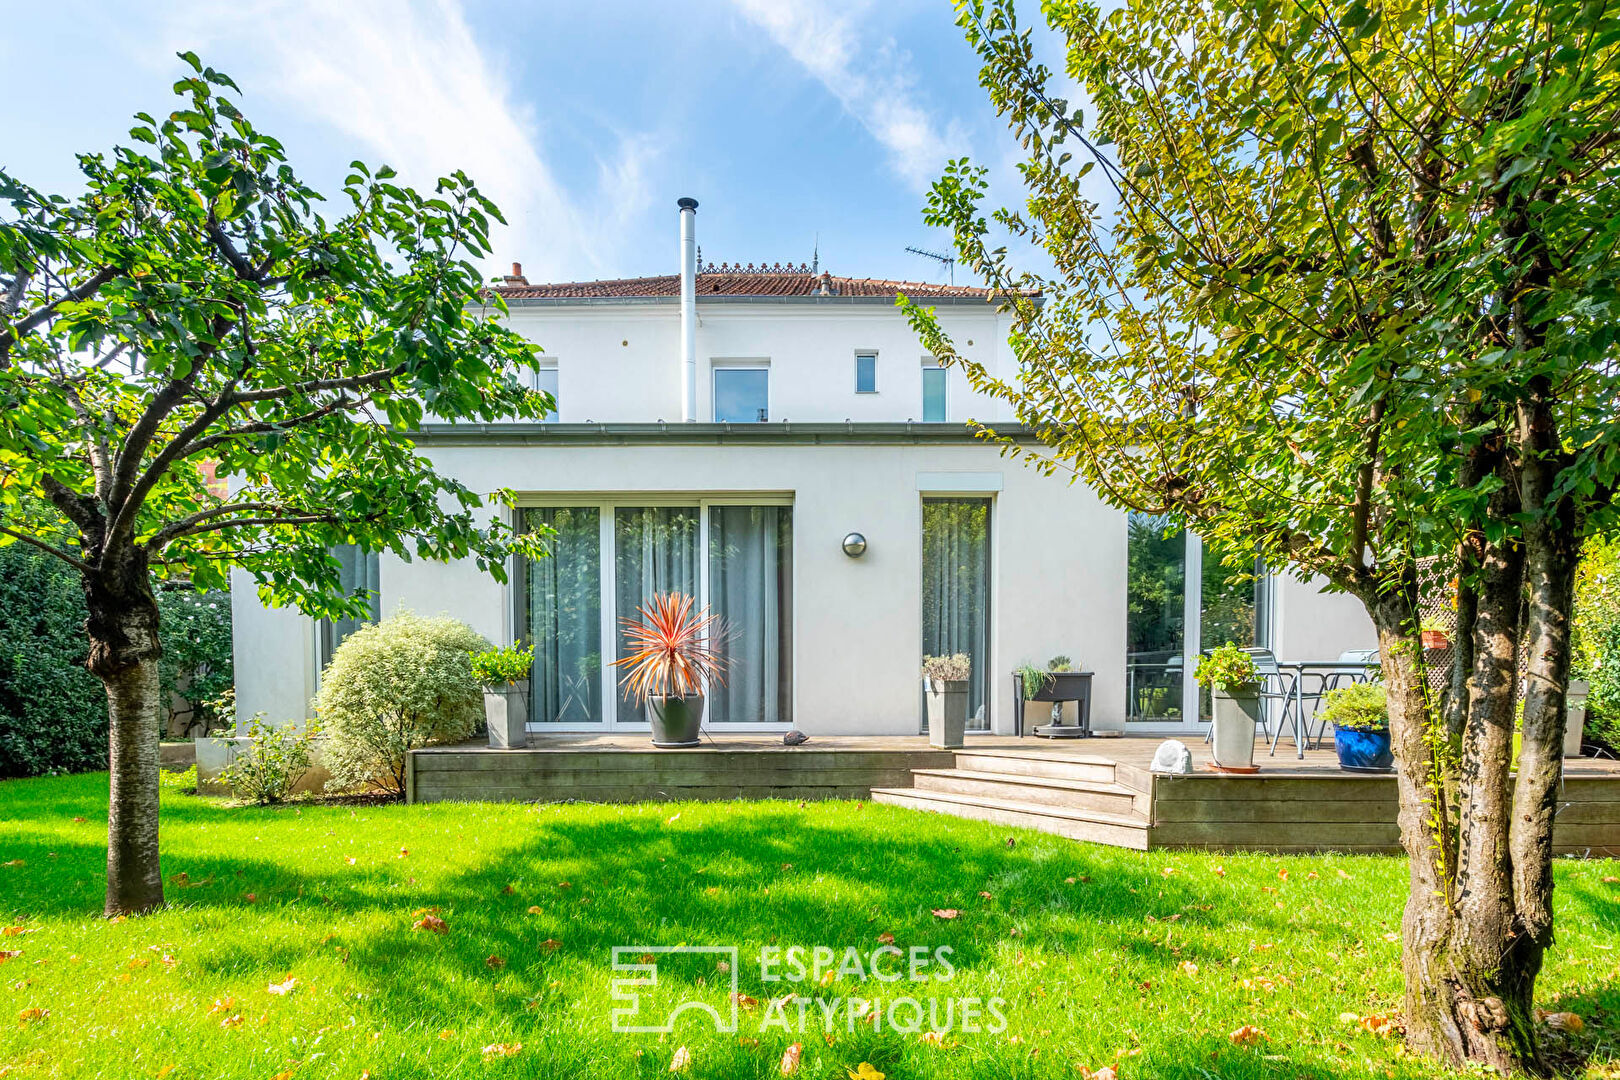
(1363,751)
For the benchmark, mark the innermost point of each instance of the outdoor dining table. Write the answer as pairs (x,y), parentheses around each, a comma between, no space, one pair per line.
(1350,670)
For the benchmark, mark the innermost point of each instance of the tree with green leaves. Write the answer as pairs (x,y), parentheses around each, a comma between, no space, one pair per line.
(195,305)
(1333,282)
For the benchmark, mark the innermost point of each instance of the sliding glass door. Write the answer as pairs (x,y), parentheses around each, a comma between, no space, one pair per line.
(655,550)
(956,591)
(564,594)
(751,591)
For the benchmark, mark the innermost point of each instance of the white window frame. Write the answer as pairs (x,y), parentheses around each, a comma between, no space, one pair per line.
(608,505)
(739,364)
(931,363)
(859,354)
(549,363)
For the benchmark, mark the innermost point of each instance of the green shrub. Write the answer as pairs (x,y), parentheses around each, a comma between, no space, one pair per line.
(53,713)
(271,766)
(394,686)
(1227,668)
(502,667)
(196,629)
(1359,707)
(1597,638)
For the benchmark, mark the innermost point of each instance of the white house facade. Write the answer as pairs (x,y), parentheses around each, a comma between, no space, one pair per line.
(729,433)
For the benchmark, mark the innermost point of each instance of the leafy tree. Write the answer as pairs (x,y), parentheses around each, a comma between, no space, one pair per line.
(193,305)
(1347,302)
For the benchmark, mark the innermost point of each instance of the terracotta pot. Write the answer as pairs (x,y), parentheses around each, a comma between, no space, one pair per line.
(1436,639)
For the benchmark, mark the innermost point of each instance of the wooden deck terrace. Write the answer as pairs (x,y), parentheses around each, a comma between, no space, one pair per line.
(1088,789)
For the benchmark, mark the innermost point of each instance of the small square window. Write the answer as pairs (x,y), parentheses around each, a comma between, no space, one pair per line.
(933,394)
(742,395)
(545,381)
(866,373)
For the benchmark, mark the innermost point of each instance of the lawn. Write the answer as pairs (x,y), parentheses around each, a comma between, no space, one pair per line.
(1101,956)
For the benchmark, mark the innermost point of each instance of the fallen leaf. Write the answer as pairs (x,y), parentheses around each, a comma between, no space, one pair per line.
(1378,1025)
(1219,871)
(550,945)
(865,1071)
(285,1074)
(1247,1035)
(17,862)
(231,1021)
(433,923)
(494,963)
(885,938)
(1068,881)
(984,895)
(80,821)
(251,898)
(790,1059)
(1282,875)
(564,885)
(501,1050)
(1189,968)
(827,979)
(405,853)
(744,1001)
(16,931)
(165,1071)
(1169,871)
(447,1034)
(1610,879)
(1564,1021)
(224,1004)
(672,819)
(34,1014)
(534,909)
(945,913)
(282,989)
(682,1058)
(1349,1018)
(7,954)
(1107,1072)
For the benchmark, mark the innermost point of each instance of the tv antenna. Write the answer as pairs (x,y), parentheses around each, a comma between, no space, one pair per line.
(946,261)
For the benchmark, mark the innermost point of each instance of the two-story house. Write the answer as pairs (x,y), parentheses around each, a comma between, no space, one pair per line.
(776,442)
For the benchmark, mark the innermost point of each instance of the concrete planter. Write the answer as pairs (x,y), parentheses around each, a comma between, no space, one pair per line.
(1235,718)
(677,722)
(1575,716)
(506,710)
(947,713)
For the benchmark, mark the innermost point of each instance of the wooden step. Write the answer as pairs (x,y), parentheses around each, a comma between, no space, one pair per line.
(1098,770)
(1118,830)
(1048,791)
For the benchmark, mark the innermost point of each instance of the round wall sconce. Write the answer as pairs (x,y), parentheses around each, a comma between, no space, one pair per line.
(854,545)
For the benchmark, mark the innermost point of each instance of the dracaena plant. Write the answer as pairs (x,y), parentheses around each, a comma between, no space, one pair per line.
(672,649)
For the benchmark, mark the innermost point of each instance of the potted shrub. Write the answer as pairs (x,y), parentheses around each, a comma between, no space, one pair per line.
(504,674)
(1359,714)
(1032,682)
(1435,635)
(945,680)
(670,661)
(1228,674)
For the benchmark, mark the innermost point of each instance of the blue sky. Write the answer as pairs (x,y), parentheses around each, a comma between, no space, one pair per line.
(786,119)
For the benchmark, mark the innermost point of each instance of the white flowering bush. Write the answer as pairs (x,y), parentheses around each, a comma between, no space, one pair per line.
(400,684)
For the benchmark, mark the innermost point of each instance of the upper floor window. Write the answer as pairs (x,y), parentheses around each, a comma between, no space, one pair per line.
(866,373)
(545,381)
(742,395)
(933,392)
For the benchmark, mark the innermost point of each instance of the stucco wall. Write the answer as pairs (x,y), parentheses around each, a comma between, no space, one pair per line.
(1058,557)
(1311,624)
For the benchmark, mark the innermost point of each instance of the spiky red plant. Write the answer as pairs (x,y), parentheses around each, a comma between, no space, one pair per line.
(671,652)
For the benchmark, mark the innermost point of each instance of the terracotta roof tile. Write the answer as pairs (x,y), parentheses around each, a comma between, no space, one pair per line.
(738,281)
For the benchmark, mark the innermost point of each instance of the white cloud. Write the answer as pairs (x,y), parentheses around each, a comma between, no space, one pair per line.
(412,86)
(874,85)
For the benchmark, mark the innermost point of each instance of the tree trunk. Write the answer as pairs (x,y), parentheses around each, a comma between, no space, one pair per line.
(124,651)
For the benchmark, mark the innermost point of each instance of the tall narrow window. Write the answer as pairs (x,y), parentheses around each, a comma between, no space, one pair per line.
(1155,621)
(956,590)
(562,598)
(933,393)
(545,381)
(742,395)
(358,571)
(751,590)
(866,373)
(655,550)
(1229,600)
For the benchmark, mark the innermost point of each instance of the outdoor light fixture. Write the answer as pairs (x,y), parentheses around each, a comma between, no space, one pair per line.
(854,545)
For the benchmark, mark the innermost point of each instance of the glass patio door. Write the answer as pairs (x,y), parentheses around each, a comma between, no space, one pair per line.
(564,608)
(956,591)
(751,593)
(655,550)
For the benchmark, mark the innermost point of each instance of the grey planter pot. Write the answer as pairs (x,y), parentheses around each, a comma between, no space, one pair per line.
(677,722)
(947,713)
(1575,716)
(1235,718)
(506,708)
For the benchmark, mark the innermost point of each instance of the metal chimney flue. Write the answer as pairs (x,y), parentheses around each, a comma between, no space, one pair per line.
(688,308)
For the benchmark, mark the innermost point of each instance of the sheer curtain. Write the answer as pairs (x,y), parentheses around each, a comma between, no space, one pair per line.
(751,590)
(358,571)
(655,551)
(564,618)
(956,590)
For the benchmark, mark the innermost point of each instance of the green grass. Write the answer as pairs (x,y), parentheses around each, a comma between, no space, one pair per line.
(1092,971)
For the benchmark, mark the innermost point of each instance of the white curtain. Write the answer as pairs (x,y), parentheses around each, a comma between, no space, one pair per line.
(655,551)
(751,590)
(956,590)
(564,617)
